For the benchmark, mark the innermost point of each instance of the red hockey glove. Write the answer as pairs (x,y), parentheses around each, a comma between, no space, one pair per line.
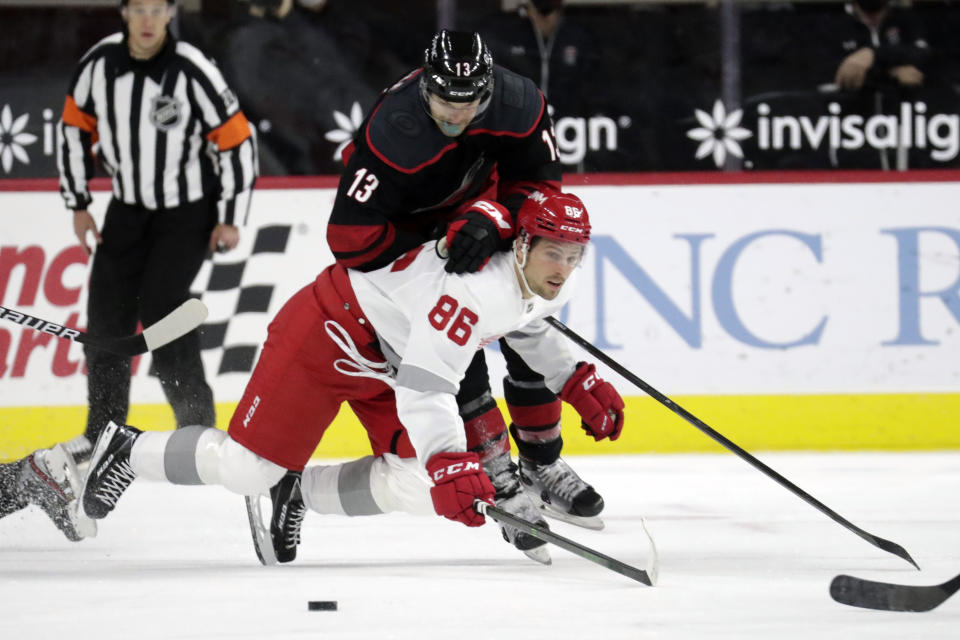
(458,480)
(598,403)
(474,236)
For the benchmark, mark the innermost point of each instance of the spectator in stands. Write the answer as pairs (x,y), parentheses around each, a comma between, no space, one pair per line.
(882,46)
(321,57)
(584,78)
(884,53)
(538,41)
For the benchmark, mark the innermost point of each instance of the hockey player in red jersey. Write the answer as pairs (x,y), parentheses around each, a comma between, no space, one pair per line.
(452,150)
(394,343)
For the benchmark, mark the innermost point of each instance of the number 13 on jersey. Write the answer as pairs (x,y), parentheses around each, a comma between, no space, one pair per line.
(462,323)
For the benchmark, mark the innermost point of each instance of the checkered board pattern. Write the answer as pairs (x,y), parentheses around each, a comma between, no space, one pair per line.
(239,293)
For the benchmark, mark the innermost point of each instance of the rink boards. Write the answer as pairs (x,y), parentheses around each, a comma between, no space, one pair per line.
(811,311)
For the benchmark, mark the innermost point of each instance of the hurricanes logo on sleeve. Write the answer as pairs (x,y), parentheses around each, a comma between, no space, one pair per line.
(165,112)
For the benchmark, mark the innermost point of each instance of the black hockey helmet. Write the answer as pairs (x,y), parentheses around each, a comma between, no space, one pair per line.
(458,67)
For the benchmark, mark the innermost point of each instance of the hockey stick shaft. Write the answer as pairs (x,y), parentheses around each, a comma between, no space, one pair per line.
(576,548)
(181,320)
(880,543)
(885,596)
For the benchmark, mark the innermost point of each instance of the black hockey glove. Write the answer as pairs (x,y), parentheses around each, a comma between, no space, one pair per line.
(476,235)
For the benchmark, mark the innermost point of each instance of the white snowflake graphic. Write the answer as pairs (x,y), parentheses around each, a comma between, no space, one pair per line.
(13,139)
(719,133)
(348,127)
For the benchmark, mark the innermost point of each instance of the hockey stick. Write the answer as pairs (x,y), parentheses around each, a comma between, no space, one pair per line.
(647,577)
(181,320)
(868,594)
(885,545)
(263,543)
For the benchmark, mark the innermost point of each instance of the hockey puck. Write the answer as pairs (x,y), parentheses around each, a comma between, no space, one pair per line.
(321,605)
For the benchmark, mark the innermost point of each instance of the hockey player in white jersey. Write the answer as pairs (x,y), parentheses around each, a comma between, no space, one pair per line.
(394,344)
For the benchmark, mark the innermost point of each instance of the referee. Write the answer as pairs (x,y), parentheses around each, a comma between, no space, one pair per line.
(183,160)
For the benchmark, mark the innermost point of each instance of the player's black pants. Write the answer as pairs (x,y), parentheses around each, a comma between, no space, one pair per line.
(142,271)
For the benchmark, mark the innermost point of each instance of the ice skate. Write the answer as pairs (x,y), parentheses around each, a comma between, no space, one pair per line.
(50,480)
(510,496)
(520,505)
(110,472)
(288,513)
(561,493)
(79,448)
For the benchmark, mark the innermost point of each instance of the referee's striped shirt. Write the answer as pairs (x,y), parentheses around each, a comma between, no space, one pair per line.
(169,130)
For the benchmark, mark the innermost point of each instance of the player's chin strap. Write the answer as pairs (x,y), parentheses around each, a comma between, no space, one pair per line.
(355,364)
(524,248)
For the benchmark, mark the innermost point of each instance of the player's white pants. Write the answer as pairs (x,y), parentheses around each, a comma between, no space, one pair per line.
(368,486)
(205,455)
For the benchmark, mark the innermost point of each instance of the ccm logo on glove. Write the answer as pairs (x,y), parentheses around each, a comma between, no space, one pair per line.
(458,481)
(598,403)
(454,469)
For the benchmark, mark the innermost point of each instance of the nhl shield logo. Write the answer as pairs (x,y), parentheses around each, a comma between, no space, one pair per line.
(165,112)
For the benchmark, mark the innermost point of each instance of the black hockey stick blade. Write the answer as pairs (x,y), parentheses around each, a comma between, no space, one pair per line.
(880,543)
(868,594)
(181,320)
(647,577)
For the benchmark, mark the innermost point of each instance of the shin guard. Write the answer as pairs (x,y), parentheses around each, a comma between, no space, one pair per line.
(535,415)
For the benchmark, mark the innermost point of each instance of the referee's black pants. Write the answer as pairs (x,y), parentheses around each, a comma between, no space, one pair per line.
(142,271)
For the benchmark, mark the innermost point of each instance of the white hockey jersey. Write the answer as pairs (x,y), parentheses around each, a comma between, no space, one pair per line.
(430,324)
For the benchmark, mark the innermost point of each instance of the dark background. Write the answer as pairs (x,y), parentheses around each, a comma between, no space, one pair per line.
(643,67)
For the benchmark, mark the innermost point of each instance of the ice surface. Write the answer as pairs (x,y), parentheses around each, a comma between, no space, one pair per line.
(740,557)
